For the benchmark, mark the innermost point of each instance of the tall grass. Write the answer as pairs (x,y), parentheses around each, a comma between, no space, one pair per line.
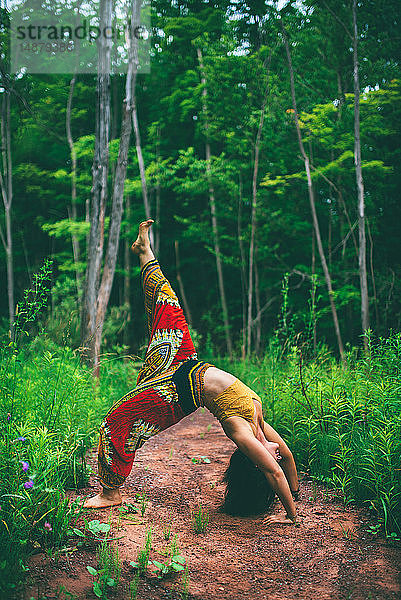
(50,408)
(342,421)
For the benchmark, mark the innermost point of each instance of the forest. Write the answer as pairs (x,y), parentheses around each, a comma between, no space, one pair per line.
(264,141)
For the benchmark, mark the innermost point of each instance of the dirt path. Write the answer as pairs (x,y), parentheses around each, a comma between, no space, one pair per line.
(331,555)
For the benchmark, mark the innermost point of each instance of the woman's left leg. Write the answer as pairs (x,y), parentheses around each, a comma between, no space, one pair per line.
(152,406)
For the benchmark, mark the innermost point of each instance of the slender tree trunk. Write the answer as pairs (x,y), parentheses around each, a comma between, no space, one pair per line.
(253,215)
(312,201)
(212,203)
(127,275)
(372,274)
(359,183)
(73,208)
(242,269)
(118,188)
(157,228)
(141,164)
(314,283)
(99,189)
(114,232)
(6,185)
(181,284)
(258,319)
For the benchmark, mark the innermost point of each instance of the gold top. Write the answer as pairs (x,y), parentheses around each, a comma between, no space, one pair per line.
(235,401)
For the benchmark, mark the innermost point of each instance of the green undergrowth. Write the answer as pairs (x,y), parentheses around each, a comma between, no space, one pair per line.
(50,409)
(342,421)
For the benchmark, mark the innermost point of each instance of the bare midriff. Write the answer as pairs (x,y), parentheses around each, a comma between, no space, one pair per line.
(226,396)
(215,381)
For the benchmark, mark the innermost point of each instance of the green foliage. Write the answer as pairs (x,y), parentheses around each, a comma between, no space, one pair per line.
(184,584)
(200,519)
(143,554)
(176,564)
(342,421)
(49,407)
(133,587)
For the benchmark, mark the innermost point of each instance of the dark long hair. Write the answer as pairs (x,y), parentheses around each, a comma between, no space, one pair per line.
(247,490)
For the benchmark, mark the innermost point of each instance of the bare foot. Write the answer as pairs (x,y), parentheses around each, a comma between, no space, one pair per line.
(105,499)
(142,243)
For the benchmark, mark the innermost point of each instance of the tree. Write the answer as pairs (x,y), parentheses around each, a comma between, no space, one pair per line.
(102,292)
(359,183)
(213,215)
(312,199)
(6,184)
(99,188)
(252,266)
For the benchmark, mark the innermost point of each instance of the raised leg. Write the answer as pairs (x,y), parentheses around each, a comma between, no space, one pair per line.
(170,343)
(169,338)
(141,246)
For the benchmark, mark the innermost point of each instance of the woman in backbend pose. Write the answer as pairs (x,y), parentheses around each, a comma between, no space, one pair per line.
(173,383)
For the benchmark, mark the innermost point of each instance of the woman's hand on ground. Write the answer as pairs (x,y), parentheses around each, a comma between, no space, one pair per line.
(278,519)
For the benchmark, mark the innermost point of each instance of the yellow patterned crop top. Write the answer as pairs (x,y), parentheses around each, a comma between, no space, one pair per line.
(235,401)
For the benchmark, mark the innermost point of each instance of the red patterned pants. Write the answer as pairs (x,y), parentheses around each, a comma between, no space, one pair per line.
(153,405)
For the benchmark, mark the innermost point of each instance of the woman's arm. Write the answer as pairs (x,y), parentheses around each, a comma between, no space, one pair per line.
(241,433)
(287,462)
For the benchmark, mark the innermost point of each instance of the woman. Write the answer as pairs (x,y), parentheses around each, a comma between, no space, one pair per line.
(173,383)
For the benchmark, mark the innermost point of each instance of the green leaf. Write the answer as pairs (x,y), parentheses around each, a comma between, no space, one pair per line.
(110,582)
(158,564)
(78,532)
(91,570)
(93,524)
(178,558)
(97,589)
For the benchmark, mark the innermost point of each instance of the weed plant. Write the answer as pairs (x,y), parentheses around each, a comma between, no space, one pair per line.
(49,416)
(108,559)
(167,531)
(174,546)
(143,501)
(341,420)
(200,519)
(143,554)
(184,584)
(133,587)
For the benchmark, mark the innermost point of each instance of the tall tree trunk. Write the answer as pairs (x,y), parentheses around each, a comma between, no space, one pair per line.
(312,200)
(73,207)
(372,274)
(114,231)
(127,274)
(258,319)
(181,284)
(253,213)
(213,214)
(359,183)
(118,187)
(99,189)
(6,184)
(313,299)
(141,164)
(242,269)
(157,228)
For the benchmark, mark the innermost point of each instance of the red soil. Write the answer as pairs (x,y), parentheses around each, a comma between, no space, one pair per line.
(330,555)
